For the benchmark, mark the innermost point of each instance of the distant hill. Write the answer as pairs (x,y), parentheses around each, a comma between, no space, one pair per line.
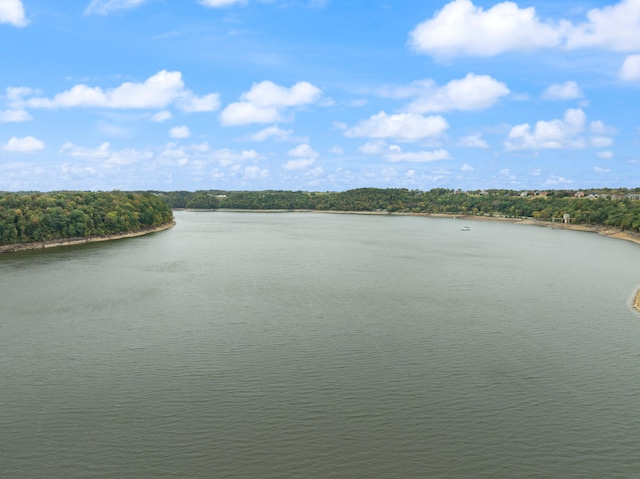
(612,208)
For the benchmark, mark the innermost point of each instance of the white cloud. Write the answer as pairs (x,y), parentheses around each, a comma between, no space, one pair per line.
(161,116)
(564,133)
(466,167)
(473,92)
(557,180)
(336,150)
(599,169)
(599,128)
(158,91)
(462,29)
(303,151)
(601,141)
(265,102)
(194,104)
(630,70)
(255,172)
(613,27)
(228,157)
(272,132)
(27,144)
(419,156)
(605,155)
(221,3)
(12,12)
(105,7)
(14,116)
(300,164)
(562,91)
(102,151)
(403,126)
(180,132)
(373,148)
(110,158)
(474,141)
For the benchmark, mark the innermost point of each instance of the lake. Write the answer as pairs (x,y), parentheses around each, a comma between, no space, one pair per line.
(309,345)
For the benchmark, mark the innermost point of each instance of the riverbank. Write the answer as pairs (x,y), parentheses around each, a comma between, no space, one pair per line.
(11,248)
(603,230)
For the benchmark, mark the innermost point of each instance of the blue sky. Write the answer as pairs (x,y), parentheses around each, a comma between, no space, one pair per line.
(319,94)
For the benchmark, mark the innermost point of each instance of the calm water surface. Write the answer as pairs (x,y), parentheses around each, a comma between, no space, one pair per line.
(242,345)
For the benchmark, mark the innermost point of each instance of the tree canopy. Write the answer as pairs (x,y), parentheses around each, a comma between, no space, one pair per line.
(34,217)
(614,208)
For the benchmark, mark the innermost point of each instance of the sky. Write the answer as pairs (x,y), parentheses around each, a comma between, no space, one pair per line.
(319,95)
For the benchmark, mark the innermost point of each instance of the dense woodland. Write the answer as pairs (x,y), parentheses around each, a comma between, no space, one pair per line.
(35,217)
(619,208)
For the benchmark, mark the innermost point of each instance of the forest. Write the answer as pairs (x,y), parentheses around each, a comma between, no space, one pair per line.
(619,208)
(30,217)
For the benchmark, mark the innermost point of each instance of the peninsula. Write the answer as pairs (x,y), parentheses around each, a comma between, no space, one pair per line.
(43,220)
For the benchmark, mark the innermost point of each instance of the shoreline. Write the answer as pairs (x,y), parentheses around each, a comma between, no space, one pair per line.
(13,248)
(602,230)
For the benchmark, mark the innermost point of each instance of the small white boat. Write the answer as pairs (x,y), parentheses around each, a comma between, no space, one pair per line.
(465,228)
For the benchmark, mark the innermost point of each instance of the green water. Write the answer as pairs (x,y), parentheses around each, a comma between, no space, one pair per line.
(245,345)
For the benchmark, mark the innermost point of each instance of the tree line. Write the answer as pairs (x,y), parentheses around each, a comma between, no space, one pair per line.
(614,208)
(35,217)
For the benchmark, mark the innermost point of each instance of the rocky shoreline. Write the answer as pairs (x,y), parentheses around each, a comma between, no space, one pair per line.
(11,248)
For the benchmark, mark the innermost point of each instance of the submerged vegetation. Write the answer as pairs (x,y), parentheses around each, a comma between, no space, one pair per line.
(38,217)
(618,208)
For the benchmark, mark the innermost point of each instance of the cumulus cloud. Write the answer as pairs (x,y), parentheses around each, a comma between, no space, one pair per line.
(402,126)
(613,27)
(473,92)
(272,132)
(630,70)
(27,144)
(300,164)
(109,158)
(180,132)
(102,151)
(599,169)
(560,133)
(601,141)
(12,12)
(105,7)
(303,151)
(14,116)
(221,3)
(161,116)
(228,157)
(373,148)
(266,102)
(474,141)
(158,91)
(562,91)
(461,28)
(254,172)
(419,156)
(605,155)
(557,180)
